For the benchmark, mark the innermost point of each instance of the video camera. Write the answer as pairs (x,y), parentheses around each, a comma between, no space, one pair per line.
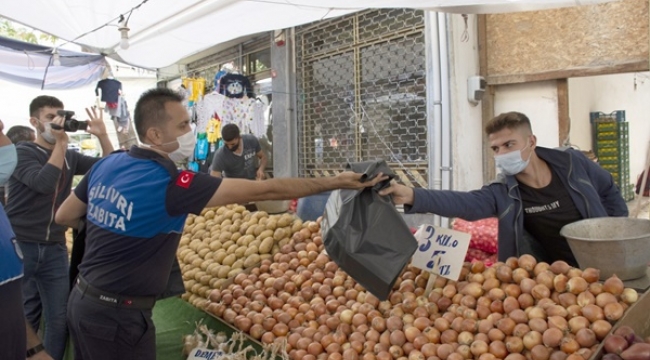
(70,124)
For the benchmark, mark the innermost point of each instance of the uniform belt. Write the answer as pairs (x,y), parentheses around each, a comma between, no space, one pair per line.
(113,300)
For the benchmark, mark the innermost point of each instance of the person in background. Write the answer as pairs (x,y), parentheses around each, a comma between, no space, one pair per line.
(16,134)
(18,338)
(538,191)
(237,158)
(136,204)
(20,133)
(41,181)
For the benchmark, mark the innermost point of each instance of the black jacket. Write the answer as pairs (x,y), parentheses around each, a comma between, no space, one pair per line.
(37,189)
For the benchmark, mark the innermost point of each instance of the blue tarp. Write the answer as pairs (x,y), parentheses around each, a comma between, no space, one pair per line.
(33,65)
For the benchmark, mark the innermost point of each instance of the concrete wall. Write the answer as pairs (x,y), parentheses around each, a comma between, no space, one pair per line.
(629,92)
(538,101)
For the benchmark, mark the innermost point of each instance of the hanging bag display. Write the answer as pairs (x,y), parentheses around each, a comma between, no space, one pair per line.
(364,233)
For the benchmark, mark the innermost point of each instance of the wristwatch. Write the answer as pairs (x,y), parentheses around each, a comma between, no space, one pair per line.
(35,350)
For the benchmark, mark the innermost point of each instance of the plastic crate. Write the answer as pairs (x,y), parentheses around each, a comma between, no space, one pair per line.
(618,116)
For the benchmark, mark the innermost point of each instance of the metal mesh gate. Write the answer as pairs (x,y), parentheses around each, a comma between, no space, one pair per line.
(361,93)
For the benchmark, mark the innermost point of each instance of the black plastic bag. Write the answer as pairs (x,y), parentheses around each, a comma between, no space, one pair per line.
(364,233)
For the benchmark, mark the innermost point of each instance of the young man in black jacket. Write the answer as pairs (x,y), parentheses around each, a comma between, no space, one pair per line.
(39,184)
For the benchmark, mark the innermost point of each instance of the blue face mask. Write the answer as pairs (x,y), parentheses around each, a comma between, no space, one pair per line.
(8,161)
(512,163)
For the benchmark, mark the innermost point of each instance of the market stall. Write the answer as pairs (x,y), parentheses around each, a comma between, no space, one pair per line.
(268,277)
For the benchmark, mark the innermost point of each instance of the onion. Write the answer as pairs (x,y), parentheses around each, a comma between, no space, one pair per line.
(532,339)
(510,304)
(540,268)
(613,311)
(545,278)
(586,298)
(465,338)
(629,296)
(512,290)
(496,335)
(527,285)
(569,345)
(526,300)
(521,330)
(540,291)
(573,311)
(557,310)
(444,350)
(586,338)
(514,344)
(593,312)
(540,352)
(576,285)
(558,323)
(552,337)
(449,336)
(506,325)
(527,262)
(568,299)
(591,275)
(605,298)
(519,274)
(613,285)
(538,324)
(578,323)
(504,273)
(596,288)
(519,316)
(560,267)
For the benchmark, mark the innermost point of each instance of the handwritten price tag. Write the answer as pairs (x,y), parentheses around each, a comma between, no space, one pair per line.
(441,251)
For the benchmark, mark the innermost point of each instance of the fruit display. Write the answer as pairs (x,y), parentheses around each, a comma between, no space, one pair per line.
(222,242)
(484,240)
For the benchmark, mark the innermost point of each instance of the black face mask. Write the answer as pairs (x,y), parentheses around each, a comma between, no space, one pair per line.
(235,147)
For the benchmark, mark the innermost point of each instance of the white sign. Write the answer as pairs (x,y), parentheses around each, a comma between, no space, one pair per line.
(441,251)
(205,354)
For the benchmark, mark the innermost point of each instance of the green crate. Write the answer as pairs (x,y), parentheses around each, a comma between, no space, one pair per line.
(617,116)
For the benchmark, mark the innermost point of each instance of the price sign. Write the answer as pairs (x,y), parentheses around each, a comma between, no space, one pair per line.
(441,251)
(205,354)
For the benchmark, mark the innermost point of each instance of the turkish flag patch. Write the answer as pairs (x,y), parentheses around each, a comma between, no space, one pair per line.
(184,179)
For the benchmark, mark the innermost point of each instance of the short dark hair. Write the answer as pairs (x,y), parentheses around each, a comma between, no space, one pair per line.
(510,120)
(230,132)
(43,101)
(20,133)
(150,109)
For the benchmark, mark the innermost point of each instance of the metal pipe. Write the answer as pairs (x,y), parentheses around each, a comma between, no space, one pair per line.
(434,102)
(445,126)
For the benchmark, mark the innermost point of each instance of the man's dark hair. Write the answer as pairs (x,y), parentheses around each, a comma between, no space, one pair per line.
(511,120)
(230,132)
(20,133)
(150,109)
(43,101)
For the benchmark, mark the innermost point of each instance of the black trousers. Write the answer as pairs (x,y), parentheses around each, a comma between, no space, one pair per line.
(12,323)
(102,332)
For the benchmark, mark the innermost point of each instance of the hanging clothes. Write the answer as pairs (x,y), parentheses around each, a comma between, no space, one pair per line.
(213,130)
(235,86)
(239,112)
(258,121)
(206,109)
(110,91)
(195,88)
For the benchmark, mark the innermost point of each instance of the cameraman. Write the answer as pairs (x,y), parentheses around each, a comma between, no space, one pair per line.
(38,186)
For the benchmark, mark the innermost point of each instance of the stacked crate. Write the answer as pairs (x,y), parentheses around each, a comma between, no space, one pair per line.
(612,148)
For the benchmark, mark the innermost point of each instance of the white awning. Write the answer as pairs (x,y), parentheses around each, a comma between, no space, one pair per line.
(165,31)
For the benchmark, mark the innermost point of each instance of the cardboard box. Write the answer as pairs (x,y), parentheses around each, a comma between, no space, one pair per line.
(637,317)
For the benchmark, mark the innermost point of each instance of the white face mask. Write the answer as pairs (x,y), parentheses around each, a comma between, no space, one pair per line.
(47,134)
(186,145)
(8,161)
(512,163)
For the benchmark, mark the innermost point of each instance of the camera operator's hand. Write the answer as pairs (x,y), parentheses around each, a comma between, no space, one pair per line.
(96,124)
(59,135)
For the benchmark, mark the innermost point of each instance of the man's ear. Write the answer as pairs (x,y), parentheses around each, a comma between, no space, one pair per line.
(153,136)
(533,141)
(34,122)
